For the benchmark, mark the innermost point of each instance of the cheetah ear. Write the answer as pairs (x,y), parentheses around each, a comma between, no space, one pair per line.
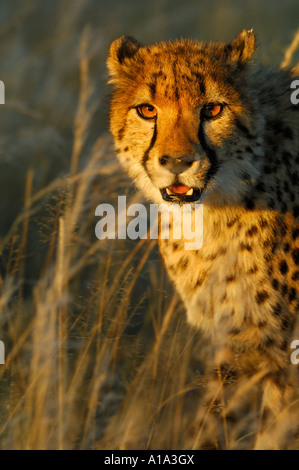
(121,50)
(242,47)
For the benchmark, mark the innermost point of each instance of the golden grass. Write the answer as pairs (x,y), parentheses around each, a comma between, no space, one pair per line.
(70,361)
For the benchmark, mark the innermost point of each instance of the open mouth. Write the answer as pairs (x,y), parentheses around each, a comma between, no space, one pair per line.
(180,193)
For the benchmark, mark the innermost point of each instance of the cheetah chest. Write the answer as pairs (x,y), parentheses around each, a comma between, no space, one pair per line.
(226,279)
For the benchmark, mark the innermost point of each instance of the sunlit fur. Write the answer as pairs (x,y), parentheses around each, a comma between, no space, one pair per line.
(241,287)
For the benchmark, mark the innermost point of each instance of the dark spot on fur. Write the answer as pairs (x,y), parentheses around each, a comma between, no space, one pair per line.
(263,223)
(157,74)
(245,247)
(202,87)
(183,263)
(283,228)
(283,267)
(295,256)
(152,88)
(276,126)
(284,345)
(284,289)
(230,223)
(262,324)
(292,294)
(294,179)
(268,341)
(249,203)
(277,309)
(211,257)
(270,270)
(253,270)
(121,133)
(235,331)
(260,187)
(267,257)
(286,156)
(288,133)
(252,231)
(296,211)
(224,298)
(262,296)
(271,203)
(268,169)
(295,233)
(199,281)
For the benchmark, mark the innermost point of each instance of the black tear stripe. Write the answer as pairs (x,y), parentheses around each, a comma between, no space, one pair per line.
(211,154)
(146,153)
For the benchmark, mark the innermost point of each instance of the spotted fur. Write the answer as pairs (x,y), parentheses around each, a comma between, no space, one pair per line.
(241,287)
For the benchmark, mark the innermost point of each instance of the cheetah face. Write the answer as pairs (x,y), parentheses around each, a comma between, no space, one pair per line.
(184,123)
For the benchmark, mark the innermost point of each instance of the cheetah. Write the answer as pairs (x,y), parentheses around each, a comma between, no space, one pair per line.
(206,123)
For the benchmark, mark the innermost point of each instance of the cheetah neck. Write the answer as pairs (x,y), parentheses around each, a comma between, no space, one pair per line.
(218,279)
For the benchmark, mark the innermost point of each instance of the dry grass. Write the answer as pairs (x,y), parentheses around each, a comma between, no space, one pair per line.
(290,51)
(71,359)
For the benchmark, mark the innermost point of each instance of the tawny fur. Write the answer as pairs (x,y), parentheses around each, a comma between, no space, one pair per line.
(241,287)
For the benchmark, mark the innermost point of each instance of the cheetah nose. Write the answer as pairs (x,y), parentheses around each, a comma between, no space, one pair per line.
(176,165)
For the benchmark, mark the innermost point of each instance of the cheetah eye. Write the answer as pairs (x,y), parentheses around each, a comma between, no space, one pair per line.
(212,110)
(147,111)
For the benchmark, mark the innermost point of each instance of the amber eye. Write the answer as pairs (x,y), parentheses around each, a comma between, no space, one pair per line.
(147,111)
(212,110)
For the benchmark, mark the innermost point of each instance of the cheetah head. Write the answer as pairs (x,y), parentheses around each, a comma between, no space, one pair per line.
(186,124)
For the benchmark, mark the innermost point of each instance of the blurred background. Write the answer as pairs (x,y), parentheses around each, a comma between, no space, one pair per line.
(98,354)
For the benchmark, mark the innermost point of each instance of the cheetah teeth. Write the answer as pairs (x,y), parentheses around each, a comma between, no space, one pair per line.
(188,193)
